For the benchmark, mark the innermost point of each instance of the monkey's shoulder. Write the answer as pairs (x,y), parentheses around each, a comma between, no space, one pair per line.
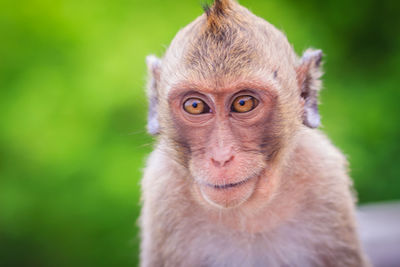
(318,163)
(162,174)
(314,150)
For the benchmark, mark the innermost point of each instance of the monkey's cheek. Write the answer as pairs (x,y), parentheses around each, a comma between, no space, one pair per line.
(228,197)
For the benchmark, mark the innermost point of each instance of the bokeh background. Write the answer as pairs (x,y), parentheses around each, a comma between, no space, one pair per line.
(73,113)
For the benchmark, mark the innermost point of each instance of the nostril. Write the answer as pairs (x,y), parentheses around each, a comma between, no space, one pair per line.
(215,162)
(227,161)
(222,162)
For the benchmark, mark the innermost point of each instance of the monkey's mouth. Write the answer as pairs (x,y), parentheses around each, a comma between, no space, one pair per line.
(230,185)
(224,195)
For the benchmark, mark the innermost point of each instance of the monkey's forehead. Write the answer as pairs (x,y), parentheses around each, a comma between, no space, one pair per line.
(236,48)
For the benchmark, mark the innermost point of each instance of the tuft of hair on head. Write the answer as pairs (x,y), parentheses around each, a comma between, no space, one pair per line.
(217,10)
(206,7)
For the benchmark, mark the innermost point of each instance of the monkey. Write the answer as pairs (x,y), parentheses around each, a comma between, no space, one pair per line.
(240,174)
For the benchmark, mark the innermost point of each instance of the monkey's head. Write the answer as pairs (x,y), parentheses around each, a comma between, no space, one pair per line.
(228,98)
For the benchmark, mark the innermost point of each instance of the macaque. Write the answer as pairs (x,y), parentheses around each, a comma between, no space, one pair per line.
(240,174)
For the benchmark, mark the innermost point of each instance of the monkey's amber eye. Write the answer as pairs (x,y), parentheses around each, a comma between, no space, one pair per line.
(195,106)
(244,104)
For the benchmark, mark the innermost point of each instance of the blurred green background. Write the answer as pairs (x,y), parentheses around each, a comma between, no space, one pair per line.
(73,113)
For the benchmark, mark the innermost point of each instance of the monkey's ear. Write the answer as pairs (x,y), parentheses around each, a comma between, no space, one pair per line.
(153,68)
(308,77)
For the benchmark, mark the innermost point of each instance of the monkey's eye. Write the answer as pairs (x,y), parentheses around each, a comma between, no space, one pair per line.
(244,104)
(195,106)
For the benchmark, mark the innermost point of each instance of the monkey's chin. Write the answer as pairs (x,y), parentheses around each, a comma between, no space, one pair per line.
(229,195)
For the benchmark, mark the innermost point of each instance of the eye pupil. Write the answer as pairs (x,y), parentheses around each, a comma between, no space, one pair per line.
(194,105)
(242,102)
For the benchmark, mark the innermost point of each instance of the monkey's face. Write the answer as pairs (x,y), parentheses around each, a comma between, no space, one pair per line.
(226,138)
(228,96)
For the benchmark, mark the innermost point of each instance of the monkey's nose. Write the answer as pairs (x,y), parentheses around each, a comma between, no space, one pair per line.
(222,161)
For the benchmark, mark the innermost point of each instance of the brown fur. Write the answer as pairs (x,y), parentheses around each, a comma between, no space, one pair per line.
(296,207)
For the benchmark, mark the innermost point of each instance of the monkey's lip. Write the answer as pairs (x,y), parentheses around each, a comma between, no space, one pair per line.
(227,186)
(228,195)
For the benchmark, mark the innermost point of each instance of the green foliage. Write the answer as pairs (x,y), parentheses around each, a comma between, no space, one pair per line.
(73,110)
